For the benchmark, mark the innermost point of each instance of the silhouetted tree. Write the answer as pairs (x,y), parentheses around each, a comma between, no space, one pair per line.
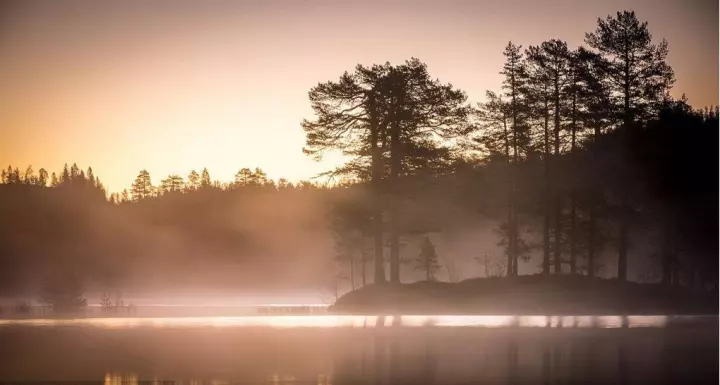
(65,176)
(596,98)
(427,260)
(539,93)
(350,118)
(29,177)
(205,181)
(63,292)
(423,112)
(639,80)
(74,173)
(90,177)
(518,141)
(142,188)
(173,183)
(124,196)
(42,178)
(193,181)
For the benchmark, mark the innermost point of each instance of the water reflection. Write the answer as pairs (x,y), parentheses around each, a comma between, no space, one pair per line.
(382,350)
(332,321)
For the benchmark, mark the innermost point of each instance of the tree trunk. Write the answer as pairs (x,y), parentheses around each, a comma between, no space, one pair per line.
(376,183)
(510,198)
(513,189)
(668,253)
(622,244)
(546,194)
(556,182)
(395,163)
(427,269)
(594,202)
(364,267)
(573,187)
(352,272)
(591,238)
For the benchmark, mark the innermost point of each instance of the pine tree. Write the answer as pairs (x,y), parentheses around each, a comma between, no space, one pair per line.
(16,177)
(125,196)
(243,177)
(427,260)
(514,84)
(172,183)
(205,180)
(639,79)
(9,175)
(379,114)
(42,178)
(74,173)
(193,181)
(90,177)
(260,179)
(29,177)
(553,56)
(65,176)
(594,92)
(423,112)
(573,93)
(142,188)
(539,93)
(352,118)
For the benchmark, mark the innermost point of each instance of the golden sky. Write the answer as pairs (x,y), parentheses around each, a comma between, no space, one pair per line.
(178,85)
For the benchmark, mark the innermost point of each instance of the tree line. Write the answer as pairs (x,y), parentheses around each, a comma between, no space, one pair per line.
(589,141)
(582,157)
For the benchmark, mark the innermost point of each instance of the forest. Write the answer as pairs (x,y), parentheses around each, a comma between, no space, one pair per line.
(581,163)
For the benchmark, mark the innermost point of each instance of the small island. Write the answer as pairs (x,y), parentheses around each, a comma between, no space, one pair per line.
(527,295)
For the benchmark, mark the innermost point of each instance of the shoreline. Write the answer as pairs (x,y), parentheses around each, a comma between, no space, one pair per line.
(527,295)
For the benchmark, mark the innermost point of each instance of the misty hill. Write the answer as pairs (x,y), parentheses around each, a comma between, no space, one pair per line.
(526,295)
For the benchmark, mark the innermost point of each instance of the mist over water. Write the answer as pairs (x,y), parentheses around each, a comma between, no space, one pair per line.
(354,321)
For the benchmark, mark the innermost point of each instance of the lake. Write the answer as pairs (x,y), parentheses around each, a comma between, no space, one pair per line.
(328,349)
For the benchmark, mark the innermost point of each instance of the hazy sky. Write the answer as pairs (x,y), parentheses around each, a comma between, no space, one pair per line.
(176,85)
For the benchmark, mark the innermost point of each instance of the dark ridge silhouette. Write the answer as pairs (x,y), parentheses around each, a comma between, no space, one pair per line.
(526,295)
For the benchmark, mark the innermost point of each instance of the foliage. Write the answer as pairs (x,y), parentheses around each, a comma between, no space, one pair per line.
(63,292)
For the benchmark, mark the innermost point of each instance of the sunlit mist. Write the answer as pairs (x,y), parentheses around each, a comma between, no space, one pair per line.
(334,321)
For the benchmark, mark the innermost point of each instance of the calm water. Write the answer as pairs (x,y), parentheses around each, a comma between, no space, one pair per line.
(363,350)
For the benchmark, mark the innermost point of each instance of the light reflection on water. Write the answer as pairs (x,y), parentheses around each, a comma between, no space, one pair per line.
(132,379)
(325,349)
(353,321)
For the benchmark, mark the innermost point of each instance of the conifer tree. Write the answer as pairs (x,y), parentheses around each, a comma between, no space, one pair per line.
(142,188)
(427,260)
(639,81)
